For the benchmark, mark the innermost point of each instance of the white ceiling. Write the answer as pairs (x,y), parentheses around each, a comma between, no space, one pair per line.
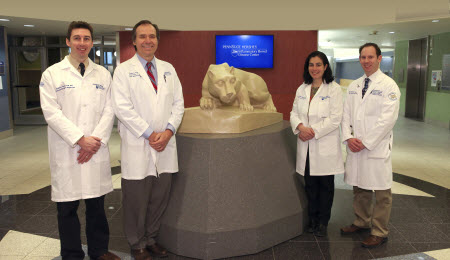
(341,24)
(355,36)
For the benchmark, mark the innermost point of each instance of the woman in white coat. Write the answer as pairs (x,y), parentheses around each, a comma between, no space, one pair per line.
(315,117)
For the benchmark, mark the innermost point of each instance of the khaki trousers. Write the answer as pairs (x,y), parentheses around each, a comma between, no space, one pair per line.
(369,215)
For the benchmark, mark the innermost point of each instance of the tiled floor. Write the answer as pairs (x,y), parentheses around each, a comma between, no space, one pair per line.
(420,220)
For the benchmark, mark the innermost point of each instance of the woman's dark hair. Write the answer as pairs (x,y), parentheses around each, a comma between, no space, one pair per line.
(327,75)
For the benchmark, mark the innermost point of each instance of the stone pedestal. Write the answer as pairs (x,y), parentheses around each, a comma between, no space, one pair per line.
(235,194)
(226,120)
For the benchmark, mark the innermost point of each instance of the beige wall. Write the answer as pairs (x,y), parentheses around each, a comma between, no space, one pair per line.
(201,15)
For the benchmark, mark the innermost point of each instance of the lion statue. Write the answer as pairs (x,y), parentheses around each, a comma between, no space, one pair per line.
(225,85)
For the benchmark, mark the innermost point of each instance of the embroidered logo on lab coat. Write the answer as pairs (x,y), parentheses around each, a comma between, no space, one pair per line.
(98,86)
(376,92)
(134,74)
(64,87)
(324,97)
(301,97)
(392,96)
(352,92)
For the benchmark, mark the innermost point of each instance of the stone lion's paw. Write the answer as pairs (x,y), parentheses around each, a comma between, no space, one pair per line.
(246,107)
(270,108)
(206,103)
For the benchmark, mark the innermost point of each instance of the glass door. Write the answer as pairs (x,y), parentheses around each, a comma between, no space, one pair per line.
(27,65)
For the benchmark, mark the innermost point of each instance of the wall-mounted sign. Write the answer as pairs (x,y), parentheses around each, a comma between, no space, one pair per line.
(436,75)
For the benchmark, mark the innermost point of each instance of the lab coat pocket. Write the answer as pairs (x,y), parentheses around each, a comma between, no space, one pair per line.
(381,151)
(373,106)
(100,99)
(324,108)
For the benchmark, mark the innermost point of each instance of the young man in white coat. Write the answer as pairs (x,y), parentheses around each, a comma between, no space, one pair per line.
(76,102)
(148,101)
(370,113)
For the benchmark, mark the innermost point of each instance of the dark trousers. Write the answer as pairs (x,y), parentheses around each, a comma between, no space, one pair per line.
(144,202)
(97,230)
(320,194)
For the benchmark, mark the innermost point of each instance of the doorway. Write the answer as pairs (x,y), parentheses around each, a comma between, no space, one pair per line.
(417,79)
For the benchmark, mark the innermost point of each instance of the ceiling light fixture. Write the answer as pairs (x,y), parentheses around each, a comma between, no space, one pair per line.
(326,44)
(391,32)
(435,21)
(4,20)
(28,25)
(128,29)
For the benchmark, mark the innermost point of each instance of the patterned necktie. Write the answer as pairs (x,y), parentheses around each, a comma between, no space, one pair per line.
(366,86)
(82,69)
(150,75)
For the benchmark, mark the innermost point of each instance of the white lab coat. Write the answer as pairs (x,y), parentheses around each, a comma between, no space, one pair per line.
(371,119)
(138,106)
(74,106)
(323,115)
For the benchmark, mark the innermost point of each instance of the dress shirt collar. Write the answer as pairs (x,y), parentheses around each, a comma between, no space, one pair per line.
(76,64)
(144,62)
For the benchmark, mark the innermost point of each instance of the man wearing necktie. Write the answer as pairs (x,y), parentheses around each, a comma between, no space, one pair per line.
(76,102)
(370,113)
(148,101)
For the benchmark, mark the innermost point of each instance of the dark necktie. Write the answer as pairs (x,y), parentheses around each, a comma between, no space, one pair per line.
(82,69)
(150,75)
(366,86)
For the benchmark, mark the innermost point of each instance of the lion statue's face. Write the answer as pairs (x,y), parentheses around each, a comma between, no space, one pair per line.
(224,86)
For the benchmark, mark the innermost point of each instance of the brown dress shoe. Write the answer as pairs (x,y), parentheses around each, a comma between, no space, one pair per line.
(108,256)
(140,254)
(374,241)
(352,229)
(157,250)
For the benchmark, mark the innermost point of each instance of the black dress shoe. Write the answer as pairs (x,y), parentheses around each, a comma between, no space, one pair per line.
(157,250)
(312,226)
(321,231)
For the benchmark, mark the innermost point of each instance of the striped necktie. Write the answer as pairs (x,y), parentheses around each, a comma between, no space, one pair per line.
(366,86)
(150,75)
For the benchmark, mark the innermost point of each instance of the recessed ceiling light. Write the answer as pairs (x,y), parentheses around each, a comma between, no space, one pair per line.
(391,32)
(128,29)
(4,20)
(28,25)
(435,21)
(326,44)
